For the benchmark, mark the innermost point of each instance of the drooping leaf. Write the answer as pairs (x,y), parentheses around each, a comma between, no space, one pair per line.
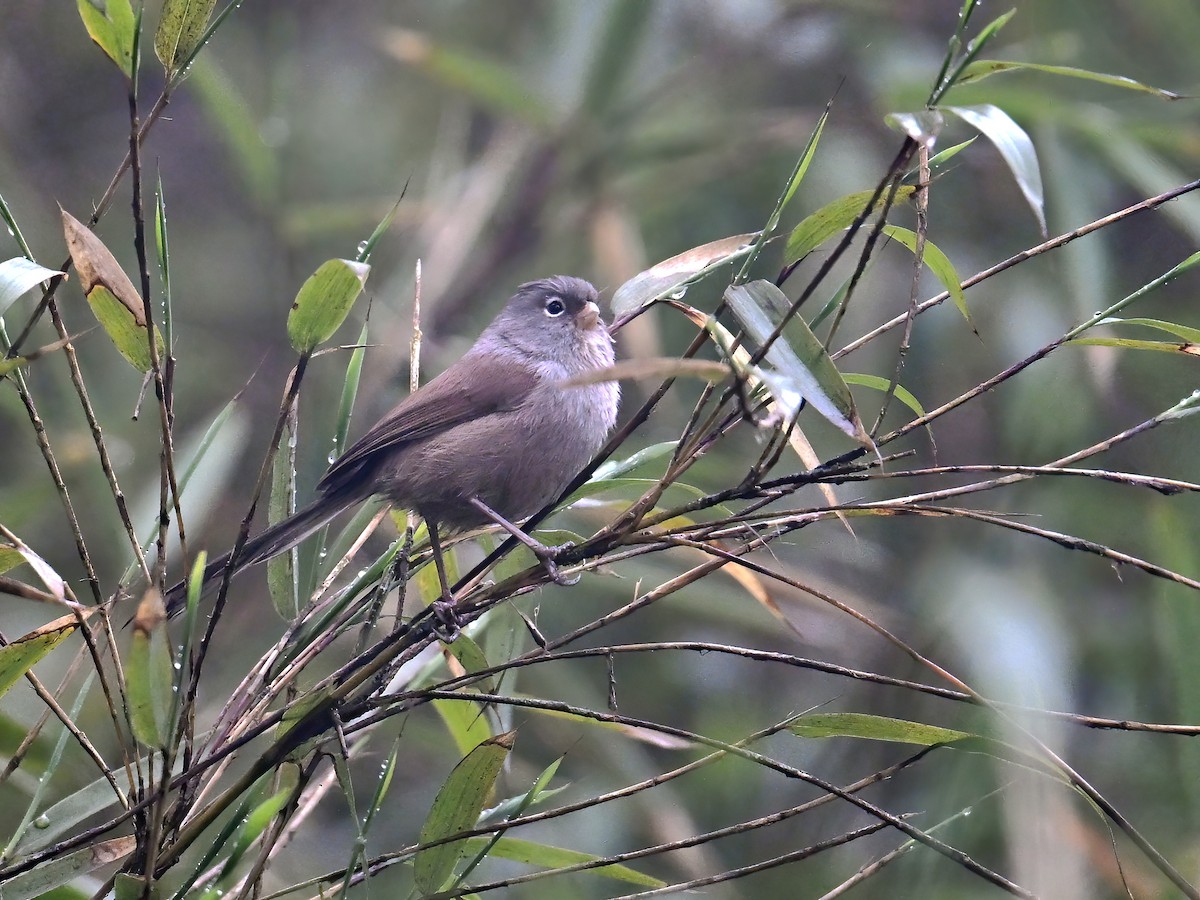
(671,277)
(179,31)
(14,362)
(1183,332)
(656,367)
(545,856)
(114,300)
(42,881)
(831,218)
(982,68)
(922,126)
(19,275)
(903,394)
(1015,147)
(1188,348)
(466,721)
(323,302)
(938,263)
(111,24)
(150,674)
(456,808)
(800,362)
(45,572)
(19,656)
(10,557)
(878,728)
(614,468)
(283,581)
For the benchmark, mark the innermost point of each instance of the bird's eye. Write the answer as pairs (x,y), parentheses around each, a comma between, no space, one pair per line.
(555,307)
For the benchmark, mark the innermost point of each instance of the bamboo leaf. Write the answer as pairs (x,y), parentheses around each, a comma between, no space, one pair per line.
(671,277)
(903,394)
(831,218)
(545,856)
(802,366)
(19,275)
(1015,147)
(40,882)
(456,808)
(111,25)
(938,263)
(114,300)
(876,728)
(19,656)
(151,674)
(983,68)
(324,301)
(179,31)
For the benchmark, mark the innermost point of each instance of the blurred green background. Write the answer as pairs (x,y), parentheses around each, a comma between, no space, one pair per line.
(595,138)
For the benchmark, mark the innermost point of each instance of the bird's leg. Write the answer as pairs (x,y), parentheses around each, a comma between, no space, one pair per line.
(442,608)
(546,555)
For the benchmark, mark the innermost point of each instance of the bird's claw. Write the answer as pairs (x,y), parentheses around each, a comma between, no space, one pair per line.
(446,622)
(548,557)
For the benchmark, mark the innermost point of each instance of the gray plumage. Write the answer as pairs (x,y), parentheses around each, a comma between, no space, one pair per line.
(496,426)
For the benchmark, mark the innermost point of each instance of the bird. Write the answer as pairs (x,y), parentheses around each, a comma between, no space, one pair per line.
(491,440)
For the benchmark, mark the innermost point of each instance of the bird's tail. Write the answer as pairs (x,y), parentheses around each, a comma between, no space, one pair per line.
(275,540)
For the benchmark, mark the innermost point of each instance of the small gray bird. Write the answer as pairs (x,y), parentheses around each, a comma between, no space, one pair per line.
(492,439)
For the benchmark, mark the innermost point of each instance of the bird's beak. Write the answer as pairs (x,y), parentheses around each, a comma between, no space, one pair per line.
(588,317)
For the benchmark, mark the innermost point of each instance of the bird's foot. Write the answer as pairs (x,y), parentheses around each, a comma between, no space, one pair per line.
(548,557)
(447,624)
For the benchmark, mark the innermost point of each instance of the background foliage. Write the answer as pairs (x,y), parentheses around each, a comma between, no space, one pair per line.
(596,139)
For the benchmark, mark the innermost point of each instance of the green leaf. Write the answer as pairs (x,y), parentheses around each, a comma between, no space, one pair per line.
(456,808)
(1015,147)
(114,300)
(615,468)
(349,393)
(876,728)
(940,159)
(19,656)
(831,218)
(283,581)
(466,721)
(69,812)
(150,674)
(126,330)
(544,856)
(801,364)
(324,301)
(14,362)
(10,557)
(19,275)
(904,395)
(164,257)
(938,263)
(1183,332)
(250,826)
(1190,349)
(179,31)
(111,24)
(983,68)
(671,277)
(40,882)
(922,126)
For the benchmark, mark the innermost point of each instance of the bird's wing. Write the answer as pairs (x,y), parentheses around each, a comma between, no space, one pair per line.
(473,387)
